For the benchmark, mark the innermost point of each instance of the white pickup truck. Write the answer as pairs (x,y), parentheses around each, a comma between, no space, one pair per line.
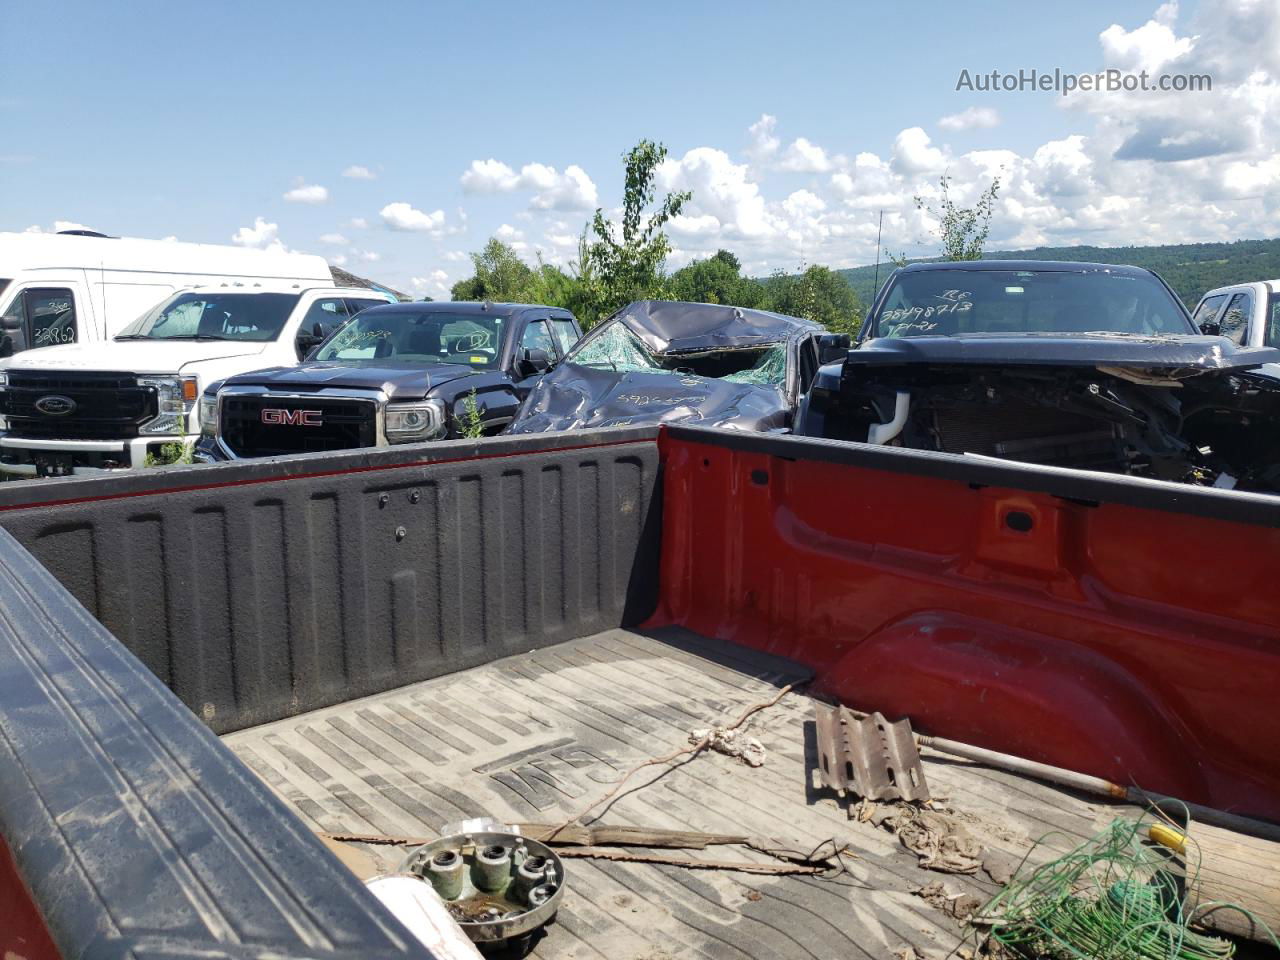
(86,408)
(1246,313)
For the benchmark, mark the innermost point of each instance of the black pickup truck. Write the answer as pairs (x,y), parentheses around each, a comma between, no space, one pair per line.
(1083,365)
(403,373)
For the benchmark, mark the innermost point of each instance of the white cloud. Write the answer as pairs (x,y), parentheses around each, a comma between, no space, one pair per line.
(357,172)
(59,226)
(1063,167)
(842,183)
(434,283)
(263,235)
(368,256)
(336,239)
(307,193)
(456,256)
(973,118)
(694,226)
(763,143)
(338,260)
(552,190)
(1150,46)
(721,188)
(507,233)
(403,216)
(358,223)
(805,157)
(562,240)
(489,176)
(803,203)
(913,152)
(571,190)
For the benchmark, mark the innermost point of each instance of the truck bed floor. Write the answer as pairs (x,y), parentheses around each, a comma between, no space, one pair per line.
(537,737)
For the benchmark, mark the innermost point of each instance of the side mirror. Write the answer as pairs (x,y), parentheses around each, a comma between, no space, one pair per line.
(832,347)
(309,341)
(533,362)
(10,323)
(1211,328)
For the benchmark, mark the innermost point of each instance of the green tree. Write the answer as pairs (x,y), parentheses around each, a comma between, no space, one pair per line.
(962,230)
(718,279)
(626,260)
(501,276)
(816,293)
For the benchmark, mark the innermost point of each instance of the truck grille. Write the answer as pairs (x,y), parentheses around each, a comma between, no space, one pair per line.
(272,426)
(108,406)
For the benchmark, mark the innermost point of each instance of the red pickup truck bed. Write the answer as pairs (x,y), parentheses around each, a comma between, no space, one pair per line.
(390,638)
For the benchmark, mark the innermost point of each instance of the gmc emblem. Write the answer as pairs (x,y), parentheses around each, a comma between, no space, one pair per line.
(293,418)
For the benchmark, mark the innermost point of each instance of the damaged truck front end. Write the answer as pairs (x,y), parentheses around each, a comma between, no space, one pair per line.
(664,362)
(1091,368)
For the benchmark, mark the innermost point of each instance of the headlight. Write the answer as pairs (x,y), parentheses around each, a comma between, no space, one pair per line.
(409,422)
(4,378)
(208,415)
(176,396)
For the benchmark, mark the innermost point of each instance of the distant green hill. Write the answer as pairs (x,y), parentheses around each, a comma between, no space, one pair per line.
(1190,268)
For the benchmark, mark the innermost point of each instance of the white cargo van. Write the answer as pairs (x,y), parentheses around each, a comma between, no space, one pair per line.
(81,408)
(84,288)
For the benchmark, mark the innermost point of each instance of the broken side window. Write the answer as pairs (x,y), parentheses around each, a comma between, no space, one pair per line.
(769,370)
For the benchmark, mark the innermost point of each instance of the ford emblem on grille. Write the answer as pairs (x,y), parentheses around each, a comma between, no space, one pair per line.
(56,405)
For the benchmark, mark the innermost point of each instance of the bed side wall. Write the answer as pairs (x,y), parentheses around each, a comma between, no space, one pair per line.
(258,591)
(1122,628)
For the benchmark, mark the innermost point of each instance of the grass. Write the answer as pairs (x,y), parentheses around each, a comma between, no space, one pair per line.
(171,454)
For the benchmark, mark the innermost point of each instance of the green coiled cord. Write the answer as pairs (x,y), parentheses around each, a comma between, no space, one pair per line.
(1114,897)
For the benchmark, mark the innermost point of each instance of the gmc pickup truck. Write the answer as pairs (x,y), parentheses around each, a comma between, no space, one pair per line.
(396,374)
(205,667)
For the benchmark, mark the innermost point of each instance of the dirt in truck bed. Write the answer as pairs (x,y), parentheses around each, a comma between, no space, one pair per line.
(536,738)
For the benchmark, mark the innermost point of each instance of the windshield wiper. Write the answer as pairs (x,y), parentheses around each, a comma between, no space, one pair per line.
(182,336)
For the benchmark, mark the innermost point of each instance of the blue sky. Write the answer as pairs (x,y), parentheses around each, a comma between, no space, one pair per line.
(170,119)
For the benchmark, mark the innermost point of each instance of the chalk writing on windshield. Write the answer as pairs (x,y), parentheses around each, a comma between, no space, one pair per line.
(356,337)
(923,317)
(470,341)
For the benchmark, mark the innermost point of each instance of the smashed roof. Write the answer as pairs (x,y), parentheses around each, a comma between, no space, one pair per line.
(674,326)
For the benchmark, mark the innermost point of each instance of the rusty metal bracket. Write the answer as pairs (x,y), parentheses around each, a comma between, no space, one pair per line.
(870,757)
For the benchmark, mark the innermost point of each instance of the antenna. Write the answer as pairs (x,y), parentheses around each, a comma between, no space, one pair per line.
(875,284)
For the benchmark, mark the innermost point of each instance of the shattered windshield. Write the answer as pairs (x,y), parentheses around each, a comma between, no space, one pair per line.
(404,336)
(617,348)
(943,303)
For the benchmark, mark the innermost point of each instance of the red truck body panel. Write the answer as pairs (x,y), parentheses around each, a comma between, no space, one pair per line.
(22,932)
(1128,643)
